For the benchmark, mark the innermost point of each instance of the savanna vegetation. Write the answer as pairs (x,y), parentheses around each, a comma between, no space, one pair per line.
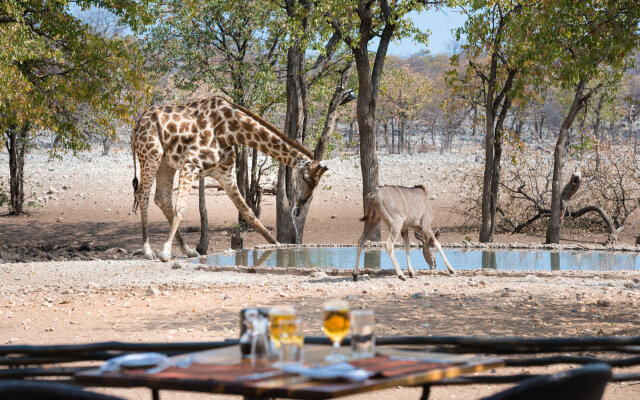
(541,86)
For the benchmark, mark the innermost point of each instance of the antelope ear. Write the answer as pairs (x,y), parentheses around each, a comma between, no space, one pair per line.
(436,233)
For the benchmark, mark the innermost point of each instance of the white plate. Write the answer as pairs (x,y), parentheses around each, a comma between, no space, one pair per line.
(140,360)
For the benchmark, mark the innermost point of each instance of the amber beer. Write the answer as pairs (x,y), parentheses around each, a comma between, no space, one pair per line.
(336,324)
(277,315)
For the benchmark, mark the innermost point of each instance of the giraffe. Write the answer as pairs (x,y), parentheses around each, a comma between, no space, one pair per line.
(196,139)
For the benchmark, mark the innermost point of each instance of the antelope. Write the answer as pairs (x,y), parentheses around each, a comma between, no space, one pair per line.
(401,208)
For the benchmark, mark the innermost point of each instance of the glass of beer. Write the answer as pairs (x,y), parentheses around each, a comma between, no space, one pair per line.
(291,342)
(336,326)
(277,314)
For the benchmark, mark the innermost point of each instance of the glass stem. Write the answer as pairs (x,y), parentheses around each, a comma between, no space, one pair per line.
(336,348)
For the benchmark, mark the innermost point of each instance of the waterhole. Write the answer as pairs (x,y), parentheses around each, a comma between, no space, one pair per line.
(504,260)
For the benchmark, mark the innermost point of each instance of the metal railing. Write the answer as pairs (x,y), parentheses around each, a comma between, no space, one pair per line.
(32,362)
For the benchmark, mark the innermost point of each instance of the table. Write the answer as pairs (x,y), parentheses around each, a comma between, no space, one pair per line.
(219,370)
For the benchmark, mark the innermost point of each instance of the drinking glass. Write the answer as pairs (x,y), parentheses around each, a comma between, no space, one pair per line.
(276,315)
(291,341)
(336,326)
(363,342)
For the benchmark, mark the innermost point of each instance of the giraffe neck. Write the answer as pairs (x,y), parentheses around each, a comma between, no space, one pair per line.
(246,128)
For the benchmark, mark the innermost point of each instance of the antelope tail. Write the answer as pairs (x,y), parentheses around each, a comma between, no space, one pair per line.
(369,207)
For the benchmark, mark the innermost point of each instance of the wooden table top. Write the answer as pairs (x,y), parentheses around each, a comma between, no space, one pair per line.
(223,371)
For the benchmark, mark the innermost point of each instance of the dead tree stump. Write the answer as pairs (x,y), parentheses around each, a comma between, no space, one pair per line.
(236,239)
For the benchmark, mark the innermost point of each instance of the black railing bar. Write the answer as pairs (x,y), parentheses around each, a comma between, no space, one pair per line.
(533,350)
(53,359)
(496,379)
(474,342)
(539,361)
(487,342)
(35,372)
(114,346)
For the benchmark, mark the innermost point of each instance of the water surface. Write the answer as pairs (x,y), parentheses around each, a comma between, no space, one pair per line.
(504,260)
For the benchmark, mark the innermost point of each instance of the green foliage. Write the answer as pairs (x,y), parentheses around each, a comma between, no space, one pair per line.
(229,46)
(590,42)
(52,66)
(577,149)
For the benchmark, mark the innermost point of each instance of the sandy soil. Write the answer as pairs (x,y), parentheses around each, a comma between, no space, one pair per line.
(94,291)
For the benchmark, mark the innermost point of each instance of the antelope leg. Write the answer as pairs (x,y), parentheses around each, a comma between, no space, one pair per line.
(446,262)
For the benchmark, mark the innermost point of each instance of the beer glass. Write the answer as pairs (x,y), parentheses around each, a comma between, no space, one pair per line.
(276,315)
(336,326)
(291,341)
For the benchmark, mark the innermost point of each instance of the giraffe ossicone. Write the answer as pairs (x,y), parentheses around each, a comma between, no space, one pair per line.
(197,139)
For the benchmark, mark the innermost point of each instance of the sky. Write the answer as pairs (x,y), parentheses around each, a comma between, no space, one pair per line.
(439,23)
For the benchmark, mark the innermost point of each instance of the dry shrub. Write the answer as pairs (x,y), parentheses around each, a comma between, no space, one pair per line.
(610,181)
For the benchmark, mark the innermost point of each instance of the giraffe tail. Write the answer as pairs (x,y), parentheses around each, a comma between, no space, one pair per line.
(135,179)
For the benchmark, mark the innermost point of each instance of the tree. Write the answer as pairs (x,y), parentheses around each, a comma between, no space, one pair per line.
(498,51)
(586,48)
(227,46)
(406,93)
(52,65)
(358,23)
(306,30)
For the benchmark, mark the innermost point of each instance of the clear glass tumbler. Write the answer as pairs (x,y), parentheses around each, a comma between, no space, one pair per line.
(363,342)
(291,342)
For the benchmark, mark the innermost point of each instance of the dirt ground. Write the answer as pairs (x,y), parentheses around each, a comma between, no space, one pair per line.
(93,290)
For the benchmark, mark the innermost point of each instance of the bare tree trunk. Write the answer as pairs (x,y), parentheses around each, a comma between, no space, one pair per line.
(486,228)
(350,140)
(632,133)
(393,136)
(296,119)
(409,139)
(254,197)
(553,229)
(475,119)
(366,109)
(107,141)
(203,245)
(338,98)
(386,134)
(493,147)
(596,130)
(293,126)
(17,146)
(242,177)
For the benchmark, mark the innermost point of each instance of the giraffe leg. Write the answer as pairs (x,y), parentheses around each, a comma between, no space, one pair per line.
(148,168)
(228,183)
(188,174)
(164,188)
(407,250)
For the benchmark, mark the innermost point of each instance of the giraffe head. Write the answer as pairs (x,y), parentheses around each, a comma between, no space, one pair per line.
(309,174)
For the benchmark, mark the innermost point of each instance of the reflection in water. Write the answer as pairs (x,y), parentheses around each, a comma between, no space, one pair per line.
(489,260)
(555,260)
(372,259)
(344,257)
(242,257)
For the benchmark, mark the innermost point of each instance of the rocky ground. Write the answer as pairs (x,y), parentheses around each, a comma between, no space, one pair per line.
(92,290)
